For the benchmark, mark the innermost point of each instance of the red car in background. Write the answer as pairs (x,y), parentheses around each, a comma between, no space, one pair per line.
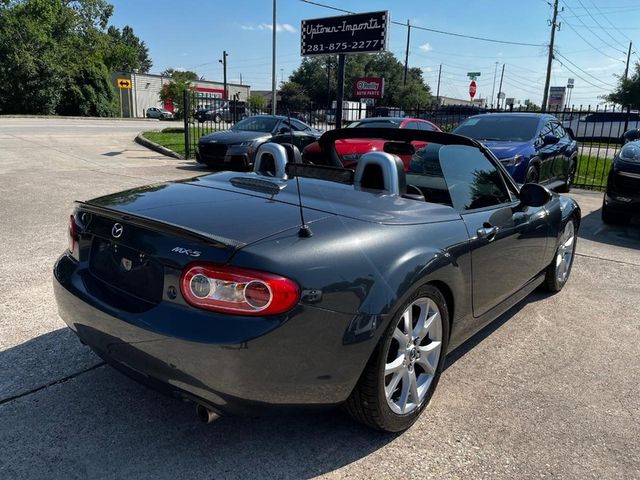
(351,150)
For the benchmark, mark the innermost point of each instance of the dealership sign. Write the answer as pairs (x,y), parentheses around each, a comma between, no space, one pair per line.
(358,33)
(556,96)
(368,87)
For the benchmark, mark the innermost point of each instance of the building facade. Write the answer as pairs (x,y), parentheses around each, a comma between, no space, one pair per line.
(144,92)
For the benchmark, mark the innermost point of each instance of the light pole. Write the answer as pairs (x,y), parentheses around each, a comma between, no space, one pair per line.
(273,62)
(224,72)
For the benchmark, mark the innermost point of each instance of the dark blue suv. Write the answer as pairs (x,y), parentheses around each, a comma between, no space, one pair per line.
(534,147)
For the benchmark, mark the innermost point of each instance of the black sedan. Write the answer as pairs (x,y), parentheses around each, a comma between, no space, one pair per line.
(300,285)
(235,149)
(622,198)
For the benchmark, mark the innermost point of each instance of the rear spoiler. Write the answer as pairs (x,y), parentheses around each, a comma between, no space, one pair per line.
(164,227)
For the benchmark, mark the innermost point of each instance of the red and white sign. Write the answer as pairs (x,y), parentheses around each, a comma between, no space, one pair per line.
(368,87)
(472,89)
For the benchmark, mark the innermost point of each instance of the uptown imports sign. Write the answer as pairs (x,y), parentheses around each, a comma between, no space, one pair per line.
(357,33)
(368,87)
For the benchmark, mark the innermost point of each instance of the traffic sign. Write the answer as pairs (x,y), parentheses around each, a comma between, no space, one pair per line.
(123,83)
(473,75)
(472,89)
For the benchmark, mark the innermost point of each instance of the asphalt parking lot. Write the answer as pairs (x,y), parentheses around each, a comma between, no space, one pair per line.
(548,390)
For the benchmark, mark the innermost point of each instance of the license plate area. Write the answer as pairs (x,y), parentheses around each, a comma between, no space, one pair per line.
(127,269)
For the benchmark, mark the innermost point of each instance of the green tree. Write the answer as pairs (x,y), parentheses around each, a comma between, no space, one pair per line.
(257,102)
(317,76)
(125,52)
(627,92)
(181,75)
(56,57)
(174,92)
(293,96)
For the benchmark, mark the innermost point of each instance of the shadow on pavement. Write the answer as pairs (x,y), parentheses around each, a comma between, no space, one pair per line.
(99,423)
(592,228)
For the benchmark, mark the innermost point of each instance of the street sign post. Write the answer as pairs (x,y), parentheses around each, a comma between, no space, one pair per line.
(344,34)
(472,89)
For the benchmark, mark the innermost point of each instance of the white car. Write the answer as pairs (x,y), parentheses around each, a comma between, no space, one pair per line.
(161,113)
(602,125)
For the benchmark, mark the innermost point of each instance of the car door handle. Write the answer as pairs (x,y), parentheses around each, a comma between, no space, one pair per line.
(488,232)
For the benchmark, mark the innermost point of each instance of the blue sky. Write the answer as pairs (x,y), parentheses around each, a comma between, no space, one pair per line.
(594,36)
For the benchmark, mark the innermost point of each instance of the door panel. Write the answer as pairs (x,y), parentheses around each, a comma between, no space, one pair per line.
(504,261)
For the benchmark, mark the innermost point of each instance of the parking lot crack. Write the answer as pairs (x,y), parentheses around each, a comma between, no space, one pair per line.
(50,384)
(607,259)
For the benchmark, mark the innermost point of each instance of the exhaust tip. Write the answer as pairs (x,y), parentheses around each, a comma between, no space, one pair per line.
(205,414)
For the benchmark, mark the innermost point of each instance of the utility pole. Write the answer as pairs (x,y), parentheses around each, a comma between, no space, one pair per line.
(554,25)
(495,77)
(438,89)
(340,92)
(240,79)
(273,62)
(626,69)
(500,88)
(406,54)
(224,72)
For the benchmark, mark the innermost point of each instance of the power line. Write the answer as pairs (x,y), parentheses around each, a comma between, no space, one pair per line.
(587,41)
(592,32)
(583,71)
(580,77)
(442,32)
(597,23)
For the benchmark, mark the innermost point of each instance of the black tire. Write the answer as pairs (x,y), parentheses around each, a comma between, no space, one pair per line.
(217,118)
(566,187)
(552,282)
(367,403)
(613,217)
(533,175)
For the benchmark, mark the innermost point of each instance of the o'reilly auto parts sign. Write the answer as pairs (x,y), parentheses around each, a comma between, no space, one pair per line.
(368,87)
(358,33)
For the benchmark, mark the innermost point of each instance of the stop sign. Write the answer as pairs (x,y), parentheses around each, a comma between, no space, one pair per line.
(472,89)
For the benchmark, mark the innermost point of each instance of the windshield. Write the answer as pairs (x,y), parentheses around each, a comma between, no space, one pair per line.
(375,124)
(503,128)
(256,124)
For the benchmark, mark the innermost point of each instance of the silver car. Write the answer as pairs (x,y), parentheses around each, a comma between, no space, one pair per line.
(161,113)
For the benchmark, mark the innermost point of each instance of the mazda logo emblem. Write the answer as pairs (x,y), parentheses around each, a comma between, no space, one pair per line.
(116,230)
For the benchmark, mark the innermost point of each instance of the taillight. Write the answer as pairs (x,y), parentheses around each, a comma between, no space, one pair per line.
(73,238)
(238,290)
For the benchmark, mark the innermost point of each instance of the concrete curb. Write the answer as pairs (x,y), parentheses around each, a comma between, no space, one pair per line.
(111,119)
(145,142)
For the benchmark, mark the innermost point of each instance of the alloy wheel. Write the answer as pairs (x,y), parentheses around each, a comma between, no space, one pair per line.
(564,257)
(413,356)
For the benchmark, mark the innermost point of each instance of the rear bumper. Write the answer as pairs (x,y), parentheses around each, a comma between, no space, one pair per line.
(298,361)
(623,190)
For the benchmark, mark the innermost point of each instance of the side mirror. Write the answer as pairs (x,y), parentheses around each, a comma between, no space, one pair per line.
(534,195)
(550,139)
(631,135)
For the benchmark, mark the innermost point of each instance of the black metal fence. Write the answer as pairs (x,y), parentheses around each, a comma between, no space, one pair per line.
(598,129)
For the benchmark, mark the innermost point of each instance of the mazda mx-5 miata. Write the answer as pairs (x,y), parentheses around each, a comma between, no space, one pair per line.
(306,285)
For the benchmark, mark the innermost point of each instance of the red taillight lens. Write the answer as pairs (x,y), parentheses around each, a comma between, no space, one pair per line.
(238,290)
(73,237)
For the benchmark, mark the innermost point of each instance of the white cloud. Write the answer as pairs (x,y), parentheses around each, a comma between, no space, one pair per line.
(426,47)
(428,69)
(280,27)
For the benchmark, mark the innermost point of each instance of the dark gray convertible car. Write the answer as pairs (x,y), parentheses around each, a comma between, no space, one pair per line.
(304,285)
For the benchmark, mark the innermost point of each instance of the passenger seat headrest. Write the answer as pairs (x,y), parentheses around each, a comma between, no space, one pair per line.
(270,161)
(381,171)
